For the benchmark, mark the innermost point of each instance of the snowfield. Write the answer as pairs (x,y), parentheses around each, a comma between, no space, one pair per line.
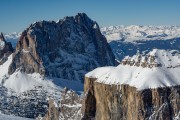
(142,77)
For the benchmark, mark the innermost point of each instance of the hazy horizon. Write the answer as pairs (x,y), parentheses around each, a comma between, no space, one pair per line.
(18,15)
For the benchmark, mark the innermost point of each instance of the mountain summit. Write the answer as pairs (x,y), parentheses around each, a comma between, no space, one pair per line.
(65,49)
(159,68)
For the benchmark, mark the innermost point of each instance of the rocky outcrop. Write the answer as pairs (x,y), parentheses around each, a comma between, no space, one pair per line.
(68,108)
(123,102)
(143,61)
(5,49)
(66,49)
(53,111)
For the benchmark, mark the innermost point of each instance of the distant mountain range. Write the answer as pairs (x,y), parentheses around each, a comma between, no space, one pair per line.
(131,33)
(129,40)
(135,33)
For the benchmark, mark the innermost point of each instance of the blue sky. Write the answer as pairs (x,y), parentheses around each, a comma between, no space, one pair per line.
(16,15)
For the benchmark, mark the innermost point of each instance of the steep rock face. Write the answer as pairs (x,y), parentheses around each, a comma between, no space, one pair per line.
(123,102)
(5,49)
(66,49)
(53,111)
(70,106)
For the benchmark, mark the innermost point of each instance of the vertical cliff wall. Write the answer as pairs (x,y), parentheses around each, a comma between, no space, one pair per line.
(123,102)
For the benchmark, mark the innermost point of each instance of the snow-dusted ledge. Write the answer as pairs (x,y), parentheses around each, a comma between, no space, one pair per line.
(142,77)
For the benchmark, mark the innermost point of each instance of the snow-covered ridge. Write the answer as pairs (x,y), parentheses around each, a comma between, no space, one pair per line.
(134,32)
(142,77)
(155,58)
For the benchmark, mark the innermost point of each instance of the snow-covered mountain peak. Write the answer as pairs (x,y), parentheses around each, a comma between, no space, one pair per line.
(164,73)
(136,32)
(155,58)
(67,49)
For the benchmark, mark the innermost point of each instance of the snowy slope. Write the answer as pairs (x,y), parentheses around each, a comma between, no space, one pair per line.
(4,68)
(21,82)
(142,77)
(28,90)
(134,32)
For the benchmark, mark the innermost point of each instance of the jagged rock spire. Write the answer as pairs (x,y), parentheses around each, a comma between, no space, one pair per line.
(5,49)
(2,41)
(2,37)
